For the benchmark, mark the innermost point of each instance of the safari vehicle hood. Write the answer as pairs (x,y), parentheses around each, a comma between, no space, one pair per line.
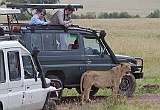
(123,58)
(136,63)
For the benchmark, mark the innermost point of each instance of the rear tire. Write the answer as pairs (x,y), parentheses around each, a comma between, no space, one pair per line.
(93,91)
(127,85)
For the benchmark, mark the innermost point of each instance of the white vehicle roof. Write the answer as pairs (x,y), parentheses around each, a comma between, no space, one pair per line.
(13,44)
(7,11)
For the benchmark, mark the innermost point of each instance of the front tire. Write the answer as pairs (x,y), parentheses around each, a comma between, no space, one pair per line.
(50,105)
(127,85)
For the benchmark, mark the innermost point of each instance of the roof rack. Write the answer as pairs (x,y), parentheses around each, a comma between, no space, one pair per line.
(57,27)
(7,11)
(45,6)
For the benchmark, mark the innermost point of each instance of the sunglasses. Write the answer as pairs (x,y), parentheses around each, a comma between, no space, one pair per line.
(42,14)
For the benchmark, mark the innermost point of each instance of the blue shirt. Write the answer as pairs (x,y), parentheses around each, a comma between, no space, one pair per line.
(36,20)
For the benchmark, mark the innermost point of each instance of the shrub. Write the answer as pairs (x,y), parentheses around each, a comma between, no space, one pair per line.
(89,15)
(103,15)
(155,14)
(117,15)
(24,16)
(48,15)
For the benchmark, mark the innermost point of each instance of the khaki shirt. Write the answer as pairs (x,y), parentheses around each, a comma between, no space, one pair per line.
(59,18)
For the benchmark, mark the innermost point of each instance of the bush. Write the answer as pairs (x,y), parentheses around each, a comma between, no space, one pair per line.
(103,15)
(124,15)
(74,16)
(89,15)
(155,14)
(117,15)
(24,16)
(48,15)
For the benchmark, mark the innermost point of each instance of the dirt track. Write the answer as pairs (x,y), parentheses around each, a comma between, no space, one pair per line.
(140,98)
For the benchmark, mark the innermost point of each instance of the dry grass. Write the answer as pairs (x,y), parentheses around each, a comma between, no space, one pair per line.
(133,37)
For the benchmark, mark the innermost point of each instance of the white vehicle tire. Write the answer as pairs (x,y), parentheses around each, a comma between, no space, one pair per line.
(50,105)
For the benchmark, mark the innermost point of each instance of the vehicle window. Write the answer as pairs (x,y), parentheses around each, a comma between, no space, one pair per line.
(14,65)
(44,41)
(2,71)
(91,46)
(36,41)
(48,41)
(66,41)
(29,70)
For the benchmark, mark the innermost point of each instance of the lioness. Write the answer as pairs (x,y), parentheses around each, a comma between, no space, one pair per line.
(102,79)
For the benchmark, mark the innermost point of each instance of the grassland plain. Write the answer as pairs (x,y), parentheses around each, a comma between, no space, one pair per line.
(132,37)
(134,7)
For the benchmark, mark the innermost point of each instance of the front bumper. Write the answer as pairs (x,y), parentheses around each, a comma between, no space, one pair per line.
(139,72)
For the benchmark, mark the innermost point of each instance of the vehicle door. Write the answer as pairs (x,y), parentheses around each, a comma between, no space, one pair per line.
(34,97)
(95,57)
(3,82)
(16,86)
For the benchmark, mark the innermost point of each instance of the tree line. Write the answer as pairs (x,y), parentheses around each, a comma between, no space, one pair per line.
(26,15)
(92,15)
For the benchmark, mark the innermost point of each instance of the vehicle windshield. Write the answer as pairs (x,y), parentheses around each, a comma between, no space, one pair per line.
(92,47)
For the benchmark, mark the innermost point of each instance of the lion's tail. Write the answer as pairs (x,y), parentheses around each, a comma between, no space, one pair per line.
(82,77)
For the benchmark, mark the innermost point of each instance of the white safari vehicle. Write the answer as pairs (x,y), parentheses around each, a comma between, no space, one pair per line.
(20,88)
(23,85)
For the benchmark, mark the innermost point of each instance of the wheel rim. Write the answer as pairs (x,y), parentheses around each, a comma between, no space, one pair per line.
(125,84)
(50,105)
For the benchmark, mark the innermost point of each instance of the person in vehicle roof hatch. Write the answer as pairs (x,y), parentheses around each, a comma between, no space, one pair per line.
(39,18)
(63,16)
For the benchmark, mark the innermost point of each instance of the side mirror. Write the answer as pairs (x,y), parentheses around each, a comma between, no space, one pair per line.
(35,50)
(102,34)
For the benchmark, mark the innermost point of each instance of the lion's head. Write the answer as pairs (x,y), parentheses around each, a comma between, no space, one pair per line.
(125,67)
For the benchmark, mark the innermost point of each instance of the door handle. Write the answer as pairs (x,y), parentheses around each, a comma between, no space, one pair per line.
(10,90)
(28,87)
(89,62)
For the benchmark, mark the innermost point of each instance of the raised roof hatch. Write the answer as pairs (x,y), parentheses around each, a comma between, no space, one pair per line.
(45,6)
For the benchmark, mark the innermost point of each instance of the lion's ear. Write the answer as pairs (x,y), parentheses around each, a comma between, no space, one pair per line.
(122,63)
